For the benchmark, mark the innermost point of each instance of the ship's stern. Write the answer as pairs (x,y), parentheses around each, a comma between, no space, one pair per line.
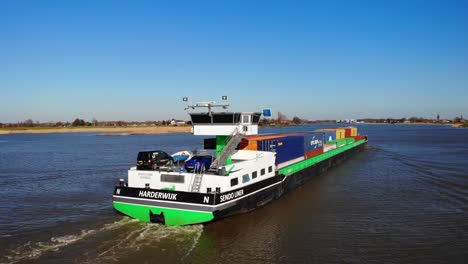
(165,207)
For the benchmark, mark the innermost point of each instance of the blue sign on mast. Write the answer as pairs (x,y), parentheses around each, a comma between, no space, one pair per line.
(267,112)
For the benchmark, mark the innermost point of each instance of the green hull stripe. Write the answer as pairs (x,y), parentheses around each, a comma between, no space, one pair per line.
(286,171)
(173,217)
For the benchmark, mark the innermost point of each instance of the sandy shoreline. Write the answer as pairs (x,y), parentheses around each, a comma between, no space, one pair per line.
(108,130)
(126,131)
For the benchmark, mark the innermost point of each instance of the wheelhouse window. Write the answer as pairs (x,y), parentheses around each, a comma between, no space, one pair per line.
(254,174)
(262,172)
(223,118)
(256,118)
(201,118)
(245,178)
(234,182)
(270,169)
(237,117)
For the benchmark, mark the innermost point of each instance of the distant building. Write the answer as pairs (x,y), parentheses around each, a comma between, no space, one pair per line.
(348,121)
(177,122)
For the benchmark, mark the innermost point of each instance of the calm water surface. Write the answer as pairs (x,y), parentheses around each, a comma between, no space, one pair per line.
(403,200)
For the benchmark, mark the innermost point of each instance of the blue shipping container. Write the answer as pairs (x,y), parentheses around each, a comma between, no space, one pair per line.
(329,135)
(313,141)
(287,148)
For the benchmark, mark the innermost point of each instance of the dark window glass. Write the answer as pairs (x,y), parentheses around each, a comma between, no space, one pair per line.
(223,118)
(201,118)
(262,172)
(237,118)
(172,178)
(234,182)
(270,169)
(254,175)
(256,118)
(245,178)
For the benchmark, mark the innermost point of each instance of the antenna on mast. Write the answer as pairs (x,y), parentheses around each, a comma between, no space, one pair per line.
(208,104)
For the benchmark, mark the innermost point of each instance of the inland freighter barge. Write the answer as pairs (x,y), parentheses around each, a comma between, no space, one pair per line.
(247,170)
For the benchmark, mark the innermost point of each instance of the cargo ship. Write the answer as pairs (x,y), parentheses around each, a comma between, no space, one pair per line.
(246,170)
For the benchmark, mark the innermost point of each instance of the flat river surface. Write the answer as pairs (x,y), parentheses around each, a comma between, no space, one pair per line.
(403,200)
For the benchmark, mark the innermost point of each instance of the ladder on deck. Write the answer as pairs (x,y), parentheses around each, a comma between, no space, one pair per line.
(236,138)
(197,182)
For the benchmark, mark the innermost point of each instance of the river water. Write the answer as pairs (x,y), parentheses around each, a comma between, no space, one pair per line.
(403,200)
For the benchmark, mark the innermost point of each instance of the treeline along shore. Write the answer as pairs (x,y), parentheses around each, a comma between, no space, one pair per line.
(103,127)
(110,130)
(116,128)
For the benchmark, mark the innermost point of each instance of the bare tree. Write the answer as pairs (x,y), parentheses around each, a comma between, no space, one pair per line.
(296,120)
(28,122)
(281,117)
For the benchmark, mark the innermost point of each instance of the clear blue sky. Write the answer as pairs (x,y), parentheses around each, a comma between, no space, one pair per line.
(135,60)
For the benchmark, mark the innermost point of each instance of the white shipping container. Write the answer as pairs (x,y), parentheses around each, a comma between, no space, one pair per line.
(328,147)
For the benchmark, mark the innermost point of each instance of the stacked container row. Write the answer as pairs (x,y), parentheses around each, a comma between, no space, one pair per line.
(297,146)
(286,148)
(251,142)
(328,134)
(332,134)
(350,132)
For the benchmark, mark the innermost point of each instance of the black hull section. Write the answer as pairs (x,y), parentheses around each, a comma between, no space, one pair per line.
(287,184)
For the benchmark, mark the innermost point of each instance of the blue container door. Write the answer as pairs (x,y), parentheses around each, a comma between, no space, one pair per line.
(330,135)
(313,141)
(289,148)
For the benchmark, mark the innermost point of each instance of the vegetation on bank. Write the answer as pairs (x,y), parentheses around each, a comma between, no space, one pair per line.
(29,124)
(280,120)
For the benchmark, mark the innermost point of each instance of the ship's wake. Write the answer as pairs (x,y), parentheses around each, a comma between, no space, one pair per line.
(446,181)
(109,243)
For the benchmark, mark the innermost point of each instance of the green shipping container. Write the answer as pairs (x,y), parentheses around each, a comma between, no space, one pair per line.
(340,142)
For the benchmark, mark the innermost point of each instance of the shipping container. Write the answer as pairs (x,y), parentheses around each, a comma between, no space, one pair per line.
(286,148)
(349,140)
(340,133)
(313,141)
(340,142)
(313,153)
(246,144)
(251,142)
(350,131)
(328,147)
(328,134)
(357,138)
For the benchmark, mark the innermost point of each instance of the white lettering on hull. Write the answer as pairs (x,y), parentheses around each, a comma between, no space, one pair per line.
(158,195)
(230,196)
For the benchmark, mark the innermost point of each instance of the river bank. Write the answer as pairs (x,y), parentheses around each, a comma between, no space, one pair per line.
(107,130)
(125,131)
